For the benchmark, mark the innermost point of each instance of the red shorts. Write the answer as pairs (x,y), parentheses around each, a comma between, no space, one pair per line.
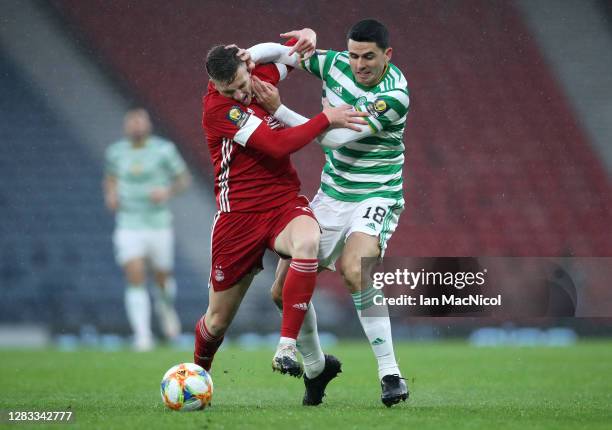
(239,240)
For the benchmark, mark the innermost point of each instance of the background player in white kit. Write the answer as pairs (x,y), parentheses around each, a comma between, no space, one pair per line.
(361,197)
(142,173)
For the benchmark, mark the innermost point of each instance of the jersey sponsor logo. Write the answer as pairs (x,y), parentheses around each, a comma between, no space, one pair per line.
(371,225)
(237,116)
(272,122)
(377,108)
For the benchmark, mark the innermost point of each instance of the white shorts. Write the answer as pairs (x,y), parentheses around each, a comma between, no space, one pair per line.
(155,245)
(375,217)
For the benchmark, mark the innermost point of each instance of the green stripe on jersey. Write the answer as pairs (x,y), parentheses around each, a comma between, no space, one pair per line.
(355,168)
(358,185)
(352,197)
(375,168)
(368,155)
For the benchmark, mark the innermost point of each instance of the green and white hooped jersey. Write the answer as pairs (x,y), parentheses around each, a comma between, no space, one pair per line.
(139,171)
(371,166)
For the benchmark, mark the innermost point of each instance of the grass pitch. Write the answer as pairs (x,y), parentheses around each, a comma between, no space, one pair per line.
(452,385)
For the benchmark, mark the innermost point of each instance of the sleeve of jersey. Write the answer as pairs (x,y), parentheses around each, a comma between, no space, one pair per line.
(279,143)
(332,139)
(271,72)
(319,63)
(176,164)
(280,63)
(389,109)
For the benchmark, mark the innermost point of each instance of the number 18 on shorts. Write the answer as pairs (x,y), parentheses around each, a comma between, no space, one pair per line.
(375,216)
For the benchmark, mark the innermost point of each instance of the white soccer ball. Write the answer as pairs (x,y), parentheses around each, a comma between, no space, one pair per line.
(186,387)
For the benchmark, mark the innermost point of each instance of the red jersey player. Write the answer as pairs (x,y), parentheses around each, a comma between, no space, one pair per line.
(256,188)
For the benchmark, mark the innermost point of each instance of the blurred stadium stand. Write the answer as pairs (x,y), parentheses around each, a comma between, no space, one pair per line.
(499,160)
(54,230)
(56,265)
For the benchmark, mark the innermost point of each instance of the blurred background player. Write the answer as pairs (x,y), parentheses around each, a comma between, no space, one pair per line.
(360,199)
(143,172)
(256,189)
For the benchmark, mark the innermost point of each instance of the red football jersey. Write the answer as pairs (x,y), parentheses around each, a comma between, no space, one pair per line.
(246,180)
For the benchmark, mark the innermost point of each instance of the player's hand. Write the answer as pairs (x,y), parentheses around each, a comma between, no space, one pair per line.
(306,42)
(112,201)
(267,95)
(344,116)
(243,55)
(160,195)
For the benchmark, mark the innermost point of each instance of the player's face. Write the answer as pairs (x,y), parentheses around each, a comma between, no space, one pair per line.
(239,89)
(367,61)
(137,125)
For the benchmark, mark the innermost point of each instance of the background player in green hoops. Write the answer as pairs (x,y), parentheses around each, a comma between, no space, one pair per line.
(361,198)
(142,173)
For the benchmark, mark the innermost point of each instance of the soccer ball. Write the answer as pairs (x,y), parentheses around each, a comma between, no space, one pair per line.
(186,387)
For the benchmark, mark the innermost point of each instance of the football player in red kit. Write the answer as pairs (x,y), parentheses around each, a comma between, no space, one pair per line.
(256,188)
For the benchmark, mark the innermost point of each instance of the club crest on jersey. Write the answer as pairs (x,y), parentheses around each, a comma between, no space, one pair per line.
(377,108)
(361,101)
(237,116)
(136,169)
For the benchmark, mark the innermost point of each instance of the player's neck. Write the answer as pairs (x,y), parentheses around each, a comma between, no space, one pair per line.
(139,143)
(382,75)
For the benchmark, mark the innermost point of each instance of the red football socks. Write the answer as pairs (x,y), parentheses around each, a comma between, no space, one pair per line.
(297,292)
(206,345)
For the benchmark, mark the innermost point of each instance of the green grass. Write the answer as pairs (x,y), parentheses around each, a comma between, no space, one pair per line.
(452,385)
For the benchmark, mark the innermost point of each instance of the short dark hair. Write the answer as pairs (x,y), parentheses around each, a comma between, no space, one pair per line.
(222,63)
(370,30)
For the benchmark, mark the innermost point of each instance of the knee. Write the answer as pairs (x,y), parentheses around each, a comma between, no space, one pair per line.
(351,273)
(307,246)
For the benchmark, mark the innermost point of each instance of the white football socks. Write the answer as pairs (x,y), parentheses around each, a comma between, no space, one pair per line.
(138,308)
(308,344)
(168,293)
(378,331)
(164,308)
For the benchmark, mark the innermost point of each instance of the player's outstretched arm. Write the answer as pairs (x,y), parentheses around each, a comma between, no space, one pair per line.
(269,98)
(280,143)
(270,53)
(304,47)
(333,139)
